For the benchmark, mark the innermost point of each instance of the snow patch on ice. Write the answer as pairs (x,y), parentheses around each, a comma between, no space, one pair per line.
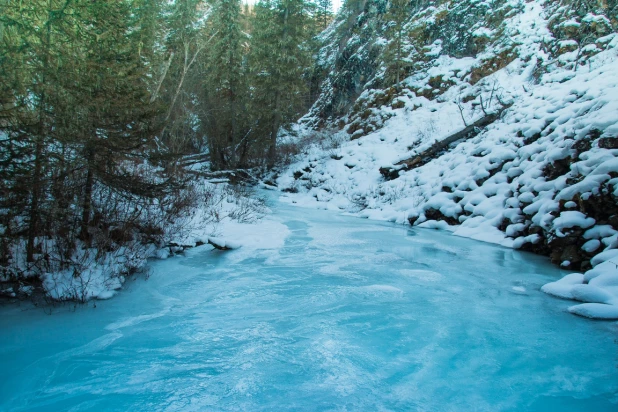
(598,288)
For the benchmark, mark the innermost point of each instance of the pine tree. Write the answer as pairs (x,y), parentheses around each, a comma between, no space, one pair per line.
(114,117)
(278,62)
(323,13)
(396,52)
(76,77)
(178,73)
(29,56)
(15,112)
(223,115)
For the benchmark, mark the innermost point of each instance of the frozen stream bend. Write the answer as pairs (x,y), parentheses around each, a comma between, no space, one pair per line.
(346,314)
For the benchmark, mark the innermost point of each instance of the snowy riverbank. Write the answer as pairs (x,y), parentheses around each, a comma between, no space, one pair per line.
(319,312)
(542,176)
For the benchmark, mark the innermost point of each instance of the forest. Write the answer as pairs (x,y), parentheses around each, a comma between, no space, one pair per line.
(101,104)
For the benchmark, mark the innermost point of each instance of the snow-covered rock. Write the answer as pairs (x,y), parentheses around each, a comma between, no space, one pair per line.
(563,288)
(541,177)
(595,311)
(598,287)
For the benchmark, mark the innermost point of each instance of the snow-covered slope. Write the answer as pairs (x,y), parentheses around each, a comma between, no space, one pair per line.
(540,172)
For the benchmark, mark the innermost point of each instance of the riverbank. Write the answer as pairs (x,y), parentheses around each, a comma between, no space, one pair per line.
(333,312)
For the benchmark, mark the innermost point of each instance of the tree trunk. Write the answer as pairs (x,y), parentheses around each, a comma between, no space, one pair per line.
(36,194)
(87,203)
(38,151)
(272,147)
(398,62)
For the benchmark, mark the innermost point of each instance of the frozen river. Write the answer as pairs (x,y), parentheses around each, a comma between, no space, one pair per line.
(348,314)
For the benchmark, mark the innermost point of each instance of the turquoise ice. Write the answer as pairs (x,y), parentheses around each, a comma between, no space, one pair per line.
(348,315)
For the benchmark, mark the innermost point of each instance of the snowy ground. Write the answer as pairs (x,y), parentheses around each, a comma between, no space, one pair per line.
(498,185)
(228,218)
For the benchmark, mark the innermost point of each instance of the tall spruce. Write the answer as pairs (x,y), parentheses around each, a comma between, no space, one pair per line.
(279,58)
(114,119)
(323,13)
(224,90)
(179,74)
(75,113)
(32,40)
(398,47)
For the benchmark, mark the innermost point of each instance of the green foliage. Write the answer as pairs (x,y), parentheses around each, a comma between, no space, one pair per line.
(77,114)
(99,99)
(225,87)
(179,69)
(278,60)
(323,14)
(398,48)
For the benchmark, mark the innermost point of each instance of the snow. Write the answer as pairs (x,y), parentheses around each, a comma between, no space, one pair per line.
(591,245)
(495,186)
(519,290)
(595,311)
(435,224)
(570,219)
(91,284)
(604,257)
(600,231)
(592,294)
(563,288)
(343,314)
(598,286)
(230,221)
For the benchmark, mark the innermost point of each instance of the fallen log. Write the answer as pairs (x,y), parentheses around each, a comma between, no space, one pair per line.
(419,159)
(236,176)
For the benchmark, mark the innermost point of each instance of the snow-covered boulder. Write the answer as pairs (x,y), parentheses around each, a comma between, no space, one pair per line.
(598,288)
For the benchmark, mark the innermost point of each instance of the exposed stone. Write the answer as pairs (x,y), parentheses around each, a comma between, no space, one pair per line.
(608,143)
(399,104)
(570,253)
(435,214)
(557,168)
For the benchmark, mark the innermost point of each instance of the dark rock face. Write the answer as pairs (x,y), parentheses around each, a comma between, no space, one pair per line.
(567,249)
(434,214)
(412,219)
(557,168)
(608,143)
(353,54)
(569,253)
(540,248)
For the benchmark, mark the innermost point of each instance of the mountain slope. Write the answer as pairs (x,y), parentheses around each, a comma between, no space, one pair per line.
(538,79)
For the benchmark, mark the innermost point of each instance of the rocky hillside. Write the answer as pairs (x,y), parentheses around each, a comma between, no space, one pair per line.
(504,127)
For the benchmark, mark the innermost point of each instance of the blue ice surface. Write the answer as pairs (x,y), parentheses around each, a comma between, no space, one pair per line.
(348,315)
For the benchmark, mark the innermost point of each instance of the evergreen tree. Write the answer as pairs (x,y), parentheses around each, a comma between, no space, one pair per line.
(75,110)
(323,13)
(92,93)
(107,88)
(279,59)
(32,45)
(183,53)
(397,49)
(224,91)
